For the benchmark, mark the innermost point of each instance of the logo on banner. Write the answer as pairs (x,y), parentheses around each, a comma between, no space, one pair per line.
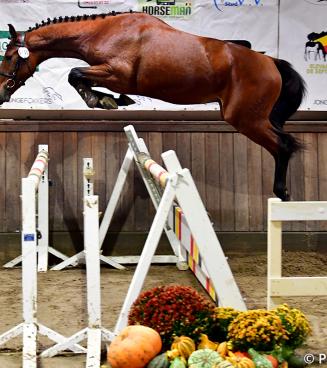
(50,97)
(4,41)
(220,4)
(166,8)
(317,2)
(92,4)
(316,52)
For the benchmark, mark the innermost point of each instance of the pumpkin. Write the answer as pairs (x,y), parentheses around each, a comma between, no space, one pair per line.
(185,346)
(160,361)
(134,347)
(205,343)
(242,354)
(204,358)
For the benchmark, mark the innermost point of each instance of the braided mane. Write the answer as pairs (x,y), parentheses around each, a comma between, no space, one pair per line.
(76,18)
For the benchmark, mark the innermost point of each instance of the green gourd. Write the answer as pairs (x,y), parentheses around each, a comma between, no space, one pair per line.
(295,361)
(204,358)
(160,361)
(259,360)
(178,362)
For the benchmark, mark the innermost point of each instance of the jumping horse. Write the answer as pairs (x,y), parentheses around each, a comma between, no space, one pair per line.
(138,54)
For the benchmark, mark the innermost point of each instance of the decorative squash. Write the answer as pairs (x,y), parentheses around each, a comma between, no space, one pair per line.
(172,354)
(259,360)
(240,362)
(242,354)
(134,347)
(178,362)
(223,349)
(204,358)
(185,345)
(160,361)
(274,361)
(205,343)
(223,364)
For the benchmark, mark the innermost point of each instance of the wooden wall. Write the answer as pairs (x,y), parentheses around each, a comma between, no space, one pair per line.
(234,176)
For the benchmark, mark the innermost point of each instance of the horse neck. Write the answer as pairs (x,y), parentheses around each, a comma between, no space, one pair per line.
(60,40)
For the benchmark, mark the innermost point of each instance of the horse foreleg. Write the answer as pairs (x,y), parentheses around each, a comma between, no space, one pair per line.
(83,79)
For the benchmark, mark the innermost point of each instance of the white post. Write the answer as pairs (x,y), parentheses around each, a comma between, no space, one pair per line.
(274,253)
(43,218)
(29,273)
(92,260)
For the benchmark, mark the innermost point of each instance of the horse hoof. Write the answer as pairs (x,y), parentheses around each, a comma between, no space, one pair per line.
(92,101)
(108,103)
(124,100)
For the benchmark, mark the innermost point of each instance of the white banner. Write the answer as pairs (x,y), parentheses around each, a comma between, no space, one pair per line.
(49,87)
(303,42)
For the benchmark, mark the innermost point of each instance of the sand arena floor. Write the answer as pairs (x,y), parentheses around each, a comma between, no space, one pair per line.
(62,305)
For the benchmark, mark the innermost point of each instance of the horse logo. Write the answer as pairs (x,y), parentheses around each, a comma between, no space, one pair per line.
(317,2)
(316,47)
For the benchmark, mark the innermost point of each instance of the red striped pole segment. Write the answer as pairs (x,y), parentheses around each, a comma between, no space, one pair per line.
(39,166)
(158,172)
(191,250)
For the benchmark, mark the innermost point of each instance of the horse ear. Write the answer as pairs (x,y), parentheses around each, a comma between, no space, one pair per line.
(12,31)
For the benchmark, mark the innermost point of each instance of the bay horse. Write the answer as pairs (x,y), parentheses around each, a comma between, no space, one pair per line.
(138,54)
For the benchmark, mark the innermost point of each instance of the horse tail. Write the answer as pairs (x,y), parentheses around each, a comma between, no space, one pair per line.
(292,93)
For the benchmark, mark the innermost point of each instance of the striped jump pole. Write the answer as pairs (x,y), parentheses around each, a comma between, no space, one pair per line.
(169,187)
(178,223)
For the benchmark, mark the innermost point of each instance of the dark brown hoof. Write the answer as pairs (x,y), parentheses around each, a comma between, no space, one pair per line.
(124,100)
(108,103)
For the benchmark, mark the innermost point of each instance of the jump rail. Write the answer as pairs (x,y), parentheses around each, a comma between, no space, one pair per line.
(279,286)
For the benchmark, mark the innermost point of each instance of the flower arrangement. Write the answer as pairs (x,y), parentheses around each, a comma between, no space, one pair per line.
(223,318)
(173,310)
(295,323)
(259,329)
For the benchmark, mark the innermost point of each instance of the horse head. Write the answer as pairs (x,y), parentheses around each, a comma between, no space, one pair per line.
(17,66)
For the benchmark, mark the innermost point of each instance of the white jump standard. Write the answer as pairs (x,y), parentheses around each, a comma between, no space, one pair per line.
(30,326)
(43,247)
(278,286)
(173,184)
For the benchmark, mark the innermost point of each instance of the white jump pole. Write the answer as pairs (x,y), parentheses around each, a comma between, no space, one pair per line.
(278,286)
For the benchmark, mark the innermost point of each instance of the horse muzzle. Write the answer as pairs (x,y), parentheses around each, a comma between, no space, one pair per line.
(4,97)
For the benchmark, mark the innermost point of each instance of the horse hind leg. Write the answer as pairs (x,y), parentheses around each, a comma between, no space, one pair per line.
(279,144)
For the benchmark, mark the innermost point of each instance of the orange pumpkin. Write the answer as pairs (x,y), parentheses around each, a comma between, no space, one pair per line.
(134,347)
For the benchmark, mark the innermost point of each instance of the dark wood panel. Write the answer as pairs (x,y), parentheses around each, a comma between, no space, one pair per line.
(70,180)
(13,182)
(310,166)
(157,124)
(241,189)
(226,173)
(254,170)
(56,197)
(234,176)
(3,179)
(212,178)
